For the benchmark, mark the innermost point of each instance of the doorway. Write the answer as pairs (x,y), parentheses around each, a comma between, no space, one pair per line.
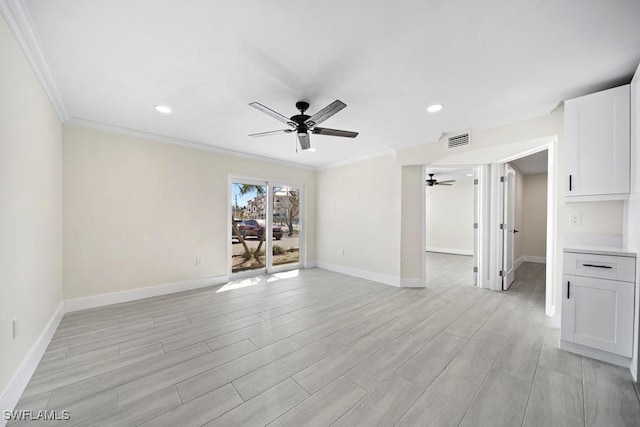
(451,225)
(266,227)
(524,225)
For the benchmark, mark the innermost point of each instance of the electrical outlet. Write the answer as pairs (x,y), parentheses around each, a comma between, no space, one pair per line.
(406,261)
(198,261)
(341,252)
(14,328)
(576,218)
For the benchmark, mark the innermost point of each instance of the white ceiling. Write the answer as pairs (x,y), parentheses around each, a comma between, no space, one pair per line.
(532,164)
(489,62)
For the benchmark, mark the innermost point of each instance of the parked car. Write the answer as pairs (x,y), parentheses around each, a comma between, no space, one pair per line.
(238,222)
(255,228)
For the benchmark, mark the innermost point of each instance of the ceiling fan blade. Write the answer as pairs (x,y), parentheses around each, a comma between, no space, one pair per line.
(273,114)
(446,182)
(335,132)
(272,132)
(325,113)
(305,142)
(443,183)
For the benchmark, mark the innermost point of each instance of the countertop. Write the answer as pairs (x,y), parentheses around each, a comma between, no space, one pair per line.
(600,250)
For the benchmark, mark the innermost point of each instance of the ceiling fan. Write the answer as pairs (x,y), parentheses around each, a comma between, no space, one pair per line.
(302,124)
(432,181)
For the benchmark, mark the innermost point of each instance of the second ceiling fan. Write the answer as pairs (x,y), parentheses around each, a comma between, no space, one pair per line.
(302,123)
(432,181)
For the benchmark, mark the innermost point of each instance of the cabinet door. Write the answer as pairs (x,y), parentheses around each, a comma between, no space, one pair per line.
(597,141)
(598,313)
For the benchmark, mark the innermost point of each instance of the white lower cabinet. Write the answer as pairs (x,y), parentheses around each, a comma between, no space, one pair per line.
(598,313)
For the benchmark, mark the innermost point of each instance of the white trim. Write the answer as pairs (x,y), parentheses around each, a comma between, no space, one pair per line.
(18,383)
(538,259)
(19,20)
(141,293)
(148,136)
(413,283)
(596,198)
(358,159)
(555,321)
(363,274)
(518,262)
(451,251)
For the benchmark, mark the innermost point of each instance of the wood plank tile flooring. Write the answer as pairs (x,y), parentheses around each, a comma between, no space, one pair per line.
(318,348)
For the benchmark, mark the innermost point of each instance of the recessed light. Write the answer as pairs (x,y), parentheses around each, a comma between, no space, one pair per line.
(434,108)
(163,109)
(312,149)
(469,174)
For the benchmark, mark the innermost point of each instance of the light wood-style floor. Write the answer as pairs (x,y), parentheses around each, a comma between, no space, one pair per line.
(320,348)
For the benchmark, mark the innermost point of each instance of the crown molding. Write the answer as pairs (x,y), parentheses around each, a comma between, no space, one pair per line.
(104,127)
(19,20)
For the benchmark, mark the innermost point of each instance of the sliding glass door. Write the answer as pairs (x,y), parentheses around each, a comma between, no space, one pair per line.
(285,204)
(266,228)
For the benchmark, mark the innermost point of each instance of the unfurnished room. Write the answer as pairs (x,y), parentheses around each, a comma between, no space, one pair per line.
(339,213)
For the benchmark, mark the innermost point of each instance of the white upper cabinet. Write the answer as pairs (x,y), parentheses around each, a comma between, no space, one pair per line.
(597,141)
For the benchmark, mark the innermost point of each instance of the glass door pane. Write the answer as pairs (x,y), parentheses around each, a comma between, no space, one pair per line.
(249,213)
(286,227)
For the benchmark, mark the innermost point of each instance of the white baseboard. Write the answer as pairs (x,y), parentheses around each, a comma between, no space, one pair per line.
(538,259)
(140,293)
(451,251)
(21,378)
(363,274)
(518,262)
(412,283)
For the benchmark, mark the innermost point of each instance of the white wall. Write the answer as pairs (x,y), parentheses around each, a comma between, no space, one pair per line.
(30,208)
(534,229)
(138,213)
(449,217)
(358,218)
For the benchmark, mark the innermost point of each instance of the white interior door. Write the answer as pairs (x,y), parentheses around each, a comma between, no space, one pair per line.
(476,223)
(508,226)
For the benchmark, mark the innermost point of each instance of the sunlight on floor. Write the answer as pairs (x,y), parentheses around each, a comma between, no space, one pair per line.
(253,281)
(283,275)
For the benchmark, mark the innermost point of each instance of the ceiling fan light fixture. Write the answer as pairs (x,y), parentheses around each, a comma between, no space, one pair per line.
(162,109)
(312,149)
(434,108)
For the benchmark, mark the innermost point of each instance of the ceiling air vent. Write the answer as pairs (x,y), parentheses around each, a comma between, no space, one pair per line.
(459,140)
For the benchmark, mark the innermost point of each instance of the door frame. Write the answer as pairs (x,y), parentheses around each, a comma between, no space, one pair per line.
(268,268)
(480,214)
(495,235)
(508,198)
(301,224)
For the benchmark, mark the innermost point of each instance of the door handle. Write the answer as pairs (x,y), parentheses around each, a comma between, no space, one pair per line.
(569,182)
(568,290)
(597,266)
(515,231)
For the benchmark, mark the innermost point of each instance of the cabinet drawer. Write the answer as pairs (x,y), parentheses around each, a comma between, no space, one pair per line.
(600,266)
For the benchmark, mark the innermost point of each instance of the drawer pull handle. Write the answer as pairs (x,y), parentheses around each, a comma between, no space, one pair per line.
(568,290)
(570,189)
(597,266)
